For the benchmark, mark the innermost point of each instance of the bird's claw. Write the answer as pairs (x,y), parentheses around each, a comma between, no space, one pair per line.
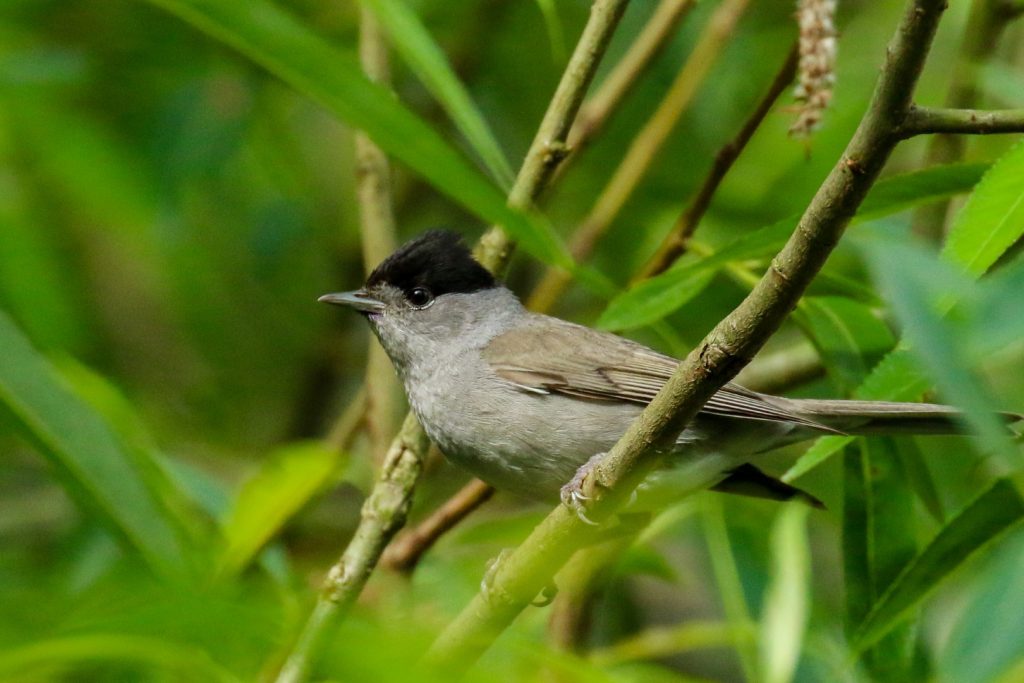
(572,493)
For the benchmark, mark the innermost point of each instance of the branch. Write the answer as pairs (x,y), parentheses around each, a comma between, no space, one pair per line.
(643,150)
(623,78)
(674,244)
(385,509)
(925,120)
(377,229)
(732,343)
(383,514)
(986,22)
(549,146)
(404,554)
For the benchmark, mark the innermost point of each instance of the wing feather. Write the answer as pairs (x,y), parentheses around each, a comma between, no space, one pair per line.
(548,355)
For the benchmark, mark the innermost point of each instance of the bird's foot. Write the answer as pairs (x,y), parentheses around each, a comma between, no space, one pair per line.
(572,493)
(487,587)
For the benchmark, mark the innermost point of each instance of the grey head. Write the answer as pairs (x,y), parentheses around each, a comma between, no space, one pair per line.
(429,296)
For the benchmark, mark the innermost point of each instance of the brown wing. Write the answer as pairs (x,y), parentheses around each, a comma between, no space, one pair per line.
(549,355)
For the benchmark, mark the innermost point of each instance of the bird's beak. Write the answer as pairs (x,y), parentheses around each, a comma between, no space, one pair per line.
(359,300)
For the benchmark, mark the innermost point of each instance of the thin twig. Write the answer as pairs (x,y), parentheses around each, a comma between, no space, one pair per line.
(377,229)
(924,120)
(623,78)
(674,244)
(404,554)
(781,371)
(987,19)
(522,573)
(644,149)
(549,146)
(387,506)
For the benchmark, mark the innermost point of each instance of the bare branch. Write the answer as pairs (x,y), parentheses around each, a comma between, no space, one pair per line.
(404,554)
(925,120)
(549,145)
(986,22)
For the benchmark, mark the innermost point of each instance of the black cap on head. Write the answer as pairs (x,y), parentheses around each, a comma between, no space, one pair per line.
(437,260)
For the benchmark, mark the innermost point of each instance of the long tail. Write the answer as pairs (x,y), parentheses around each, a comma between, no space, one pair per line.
(882,417)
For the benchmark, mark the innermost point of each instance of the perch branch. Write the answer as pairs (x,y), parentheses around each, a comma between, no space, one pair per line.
(385,509)
(524,572)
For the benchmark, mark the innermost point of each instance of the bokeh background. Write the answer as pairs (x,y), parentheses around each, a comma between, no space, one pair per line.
(169,213)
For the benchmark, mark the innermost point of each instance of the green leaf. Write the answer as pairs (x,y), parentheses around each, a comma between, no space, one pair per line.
(991,514)
(659,296)
(986,638)
(412,40)
(95,465)
(993,217)
(908,190)
(289,50)
(891,545)
(848,336)
(652,300)
(285,483)
(918,286)
(38,660)
(555,31)
(787,602)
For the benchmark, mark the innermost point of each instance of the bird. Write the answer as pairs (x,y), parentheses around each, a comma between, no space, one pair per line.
(529,402)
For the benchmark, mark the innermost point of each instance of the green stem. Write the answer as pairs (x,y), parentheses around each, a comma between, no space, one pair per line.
(549,145)
(644,149)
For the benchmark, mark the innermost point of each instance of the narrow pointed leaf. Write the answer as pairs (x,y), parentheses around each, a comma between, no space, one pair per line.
(413,42)
(993,217)
(787,602)
(285,483)
(659,296)
(96,467)
(275,40)
(990,515)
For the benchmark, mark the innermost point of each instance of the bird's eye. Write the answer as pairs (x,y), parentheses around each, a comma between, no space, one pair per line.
(420,297)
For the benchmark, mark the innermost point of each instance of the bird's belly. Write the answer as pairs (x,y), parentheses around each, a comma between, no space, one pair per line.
(528,444)
(532,444)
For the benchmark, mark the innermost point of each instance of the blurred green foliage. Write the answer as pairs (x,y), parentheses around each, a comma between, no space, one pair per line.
(169,212)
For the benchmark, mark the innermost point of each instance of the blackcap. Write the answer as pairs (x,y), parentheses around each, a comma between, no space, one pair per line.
(524,400)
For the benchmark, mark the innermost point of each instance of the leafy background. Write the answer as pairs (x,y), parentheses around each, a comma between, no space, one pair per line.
(170,211)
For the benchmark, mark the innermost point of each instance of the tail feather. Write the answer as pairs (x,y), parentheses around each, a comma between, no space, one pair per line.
(883,417)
